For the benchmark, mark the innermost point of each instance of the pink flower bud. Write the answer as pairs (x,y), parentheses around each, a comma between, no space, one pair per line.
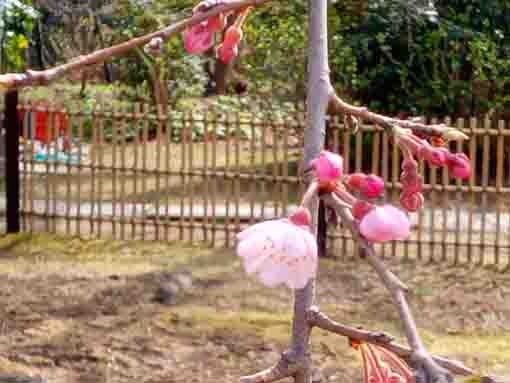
(410,165)
(385,223)
(216,23)
(355,180)
(328,167)
(301,217)
(434,156)
(410,179)
(373,186)
(227,54)
(198,39)
(229,48)
(370,186)
(411,201)
(459,165)
(361,209)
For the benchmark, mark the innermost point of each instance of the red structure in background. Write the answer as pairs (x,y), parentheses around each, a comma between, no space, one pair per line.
(48,125)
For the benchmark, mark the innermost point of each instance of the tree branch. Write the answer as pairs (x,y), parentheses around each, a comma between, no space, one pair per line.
(427,369)
(283,369)
(322,321)
(39,78)
(337,106)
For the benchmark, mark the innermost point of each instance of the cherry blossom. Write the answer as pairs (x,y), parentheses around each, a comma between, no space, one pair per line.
(280,251)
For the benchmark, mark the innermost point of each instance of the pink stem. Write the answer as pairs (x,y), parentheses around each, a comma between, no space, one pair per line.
(397,362)
(345,195)
(312,191)
(374,362)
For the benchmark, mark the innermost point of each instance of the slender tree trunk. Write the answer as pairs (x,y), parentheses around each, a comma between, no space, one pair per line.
(317,102)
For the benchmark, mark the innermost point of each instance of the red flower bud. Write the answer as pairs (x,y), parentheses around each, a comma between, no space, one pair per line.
(361,208)
(411,201)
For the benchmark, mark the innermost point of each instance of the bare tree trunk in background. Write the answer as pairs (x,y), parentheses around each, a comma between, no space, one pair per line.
(99,33)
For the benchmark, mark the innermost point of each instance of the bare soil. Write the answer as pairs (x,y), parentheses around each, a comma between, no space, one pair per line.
(85,311)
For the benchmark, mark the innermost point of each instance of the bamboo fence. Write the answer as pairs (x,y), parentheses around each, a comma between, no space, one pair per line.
(135,172)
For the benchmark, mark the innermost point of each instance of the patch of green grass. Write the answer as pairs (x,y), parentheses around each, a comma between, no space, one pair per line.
(210,322)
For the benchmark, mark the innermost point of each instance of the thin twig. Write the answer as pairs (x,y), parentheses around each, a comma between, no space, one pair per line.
(337,105)
(40,78)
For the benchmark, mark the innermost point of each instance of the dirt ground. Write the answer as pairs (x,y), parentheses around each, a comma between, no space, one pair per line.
(85,311)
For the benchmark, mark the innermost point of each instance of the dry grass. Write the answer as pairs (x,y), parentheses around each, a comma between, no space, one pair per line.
(83,310)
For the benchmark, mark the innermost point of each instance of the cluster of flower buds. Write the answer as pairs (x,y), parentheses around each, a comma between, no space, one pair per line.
(376,223)
(413,147)
(382,366)
(200,37)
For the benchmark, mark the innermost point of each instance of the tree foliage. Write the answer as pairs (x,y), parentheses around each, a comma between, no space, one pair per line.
(16,23)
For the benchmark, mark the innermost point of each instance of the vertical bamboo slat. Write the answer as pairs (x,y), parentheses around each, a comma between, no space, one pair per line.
(47,195)
(459,206)
(157,172)
(445,181)
(115,116)
(385,174)
(69,173)
(237,180)
(485,183)
(472,182)
(24,158)
(183,144)
(421,217)
(230,183)
(136,116)
(214,185)
(205,178)
(100,159)
(168,123)
(53,153)
(124,170)
(145,170)
(31,164)
(433,202)
(500,157)
(253,182)
(191,179)
(81,159)
(285,170)
(276,184)
(395,177)
(263,165)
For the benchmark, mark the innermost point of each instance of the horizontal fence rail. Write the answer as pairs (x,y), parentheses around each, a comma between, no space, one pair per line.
(138,172)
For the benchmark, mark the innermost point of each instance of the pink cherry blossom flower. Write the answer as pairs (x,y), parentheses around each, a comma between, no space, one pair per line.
(328,167)
(199,38)
(459,165)
(385,223)
(370,186)
(280,251)
(412,201)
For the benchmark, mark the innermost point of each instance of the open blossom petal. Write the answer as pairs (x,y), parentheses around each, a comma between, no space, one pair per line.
(279,252)
(385,223)
(328,167)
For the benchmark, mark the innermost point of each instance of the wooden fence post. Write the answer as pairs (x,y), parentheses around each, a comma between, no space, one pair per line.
(12,126)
